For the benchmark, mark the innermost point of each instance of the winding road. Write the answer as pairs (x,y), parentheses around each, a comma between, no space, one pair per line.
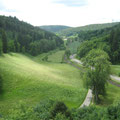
(72,57)
(88,98)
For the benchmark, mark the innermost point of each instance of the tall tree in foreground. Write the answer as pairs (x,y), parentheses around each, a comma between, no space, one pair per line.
(4,42)
(98,73)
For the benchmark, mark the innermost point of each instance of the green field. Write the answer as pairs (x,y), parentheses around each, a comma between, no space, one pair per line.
(28,79)
(56,57)
(113,95)
(115,69)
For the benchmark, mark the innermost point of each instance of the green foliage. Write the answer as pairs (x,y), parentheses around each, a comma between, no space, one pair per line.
(42,110)
(114,112)
(60,116)
(4,42)
(107,40)
(114,42)
(98,74)
(96,43)
(67,53)
(90,113)
(73,46)
(59,107)
(19,35)
(119,74)
(1,84)
(22,112)
(1,47)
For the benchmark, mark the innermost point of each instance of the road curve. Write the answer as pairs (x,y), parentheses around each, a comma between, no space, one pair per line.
(88,98)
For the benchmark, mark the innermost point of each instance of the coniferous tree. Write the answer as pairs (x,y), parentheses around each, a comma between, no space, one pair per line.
(0,47)
(4,42)
(16,46)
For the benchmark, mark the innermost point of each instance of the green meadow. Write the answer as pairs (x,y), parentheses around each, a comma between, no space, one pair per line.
(115,69)
(29,79)
(56,57)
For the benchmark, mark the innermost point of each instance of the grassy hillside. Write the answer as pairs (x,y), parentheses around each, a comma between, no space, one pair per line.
(54,28)
(73,31)
(30,80)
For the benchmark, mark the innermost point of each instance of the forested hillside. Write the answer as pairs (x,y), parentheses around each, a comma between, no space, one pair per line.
(107,39)
(54,28)
(74,31)
(18,36)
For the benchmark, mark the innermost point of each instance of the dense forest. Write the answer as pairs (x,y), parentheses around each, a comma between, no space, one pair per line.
(107,39)
(54,28)
(18,36)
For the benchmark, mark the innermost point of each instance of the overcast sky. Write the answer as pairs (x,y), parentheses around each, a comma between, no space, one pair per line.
(62,12)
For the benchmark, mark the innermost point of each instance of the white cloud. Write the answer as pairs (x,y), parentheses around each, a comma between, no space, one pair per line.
(48,12)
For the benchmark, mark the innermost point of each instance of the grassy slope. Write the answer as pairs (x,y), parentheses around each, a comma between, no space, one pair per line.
(30,80)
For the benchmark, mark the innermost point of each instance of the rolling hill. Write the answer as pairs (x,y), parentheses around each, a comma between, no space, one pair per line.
(74,31)
(54,28)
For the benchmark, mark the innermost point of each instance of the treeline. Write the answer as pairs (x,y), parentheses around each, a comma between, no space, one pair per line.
(50,110)
(54,28)
(18,36)
(93,27)
(107,40)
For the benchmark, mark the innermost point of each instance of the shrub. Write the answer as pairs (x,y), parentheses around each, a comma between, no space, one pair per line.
(119,74)
(60,107)
(60,116)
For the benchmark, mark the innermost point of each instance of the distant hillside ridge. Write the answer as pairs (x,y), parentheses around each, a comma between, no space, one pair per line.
(73,31)
(54,28)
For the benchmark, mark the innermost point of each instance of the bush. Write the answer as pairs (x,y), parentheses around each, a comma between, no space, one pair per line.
(60,107)
(119,74)
(42,110)
(22,112)
(60,116)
